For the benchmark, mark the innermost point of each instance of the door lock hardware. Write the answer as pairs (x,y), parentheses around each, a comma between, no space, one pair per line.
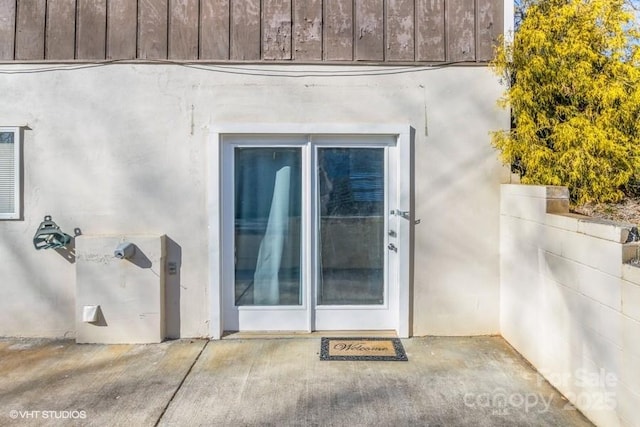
(392,247)
(392,233)
(403,214)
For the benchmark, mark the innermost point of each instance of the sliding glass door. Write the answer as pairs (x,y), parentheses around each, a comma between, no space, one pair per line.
(351,200)
(268,203)
(308,235)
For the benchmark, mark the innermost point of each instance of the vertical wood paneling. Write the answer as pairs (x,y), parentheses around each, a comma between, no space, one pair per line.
(7,29)
(122,20)
(183,29)
(214,29)
(245,30)
(430,25)
(152,29)
(91,35)
(30,29)
(461,42)
(61,29)
(338,30)
(251,30)
(276,29)
(400,30)
(307,30)
(490,21)
(369,32)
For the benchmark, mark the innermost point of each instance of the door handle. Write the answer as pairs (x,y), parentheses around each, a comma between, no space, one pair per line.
(392,247)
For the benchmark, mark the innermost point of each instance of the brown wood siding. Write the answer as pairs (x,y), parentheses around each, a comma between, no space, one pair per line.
(30,29)
(214,29)
(184,16)
(91,29)
(122,22)
(7,29)
(430,31)
(338,33)
(245,30)
(378,31)
(307,30)
(60,29)
(460,31)
(490,18)
(400,30)
(152,29)
(369,30)
(276,29)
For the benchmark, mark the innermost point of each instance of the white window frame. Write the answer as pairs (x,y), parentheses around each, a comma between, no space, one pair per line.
(402,132)
(17,144)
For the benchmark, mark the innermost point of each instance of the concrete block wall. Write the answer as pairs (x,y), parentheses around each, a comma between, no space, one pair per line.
(570,300)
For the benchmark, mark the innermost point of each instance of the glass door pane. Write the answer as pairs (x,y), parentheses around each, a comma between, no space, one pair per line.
(267,226)
(351,204)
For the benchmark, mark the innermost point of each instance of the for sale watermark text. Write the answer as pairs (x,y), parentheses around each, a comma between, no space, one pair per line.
(583,389)
(501,402)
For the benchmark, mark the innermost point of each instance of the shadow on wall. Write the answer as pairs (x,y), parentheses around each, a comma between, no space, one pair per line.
(172,288)
(101,321)
(68,252)
(173,262)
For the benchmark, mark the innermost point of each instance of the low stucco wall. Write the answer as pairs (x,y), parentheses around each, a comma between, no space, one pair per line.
(122,149)
(569,303)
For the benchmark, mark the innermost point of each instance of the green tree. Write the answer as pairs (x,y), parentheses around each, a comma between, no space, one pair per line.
(574,91)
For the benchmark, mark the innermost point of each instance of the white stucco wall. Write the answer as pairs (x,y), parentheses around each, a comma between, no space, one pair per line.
(569,304)
(121,149)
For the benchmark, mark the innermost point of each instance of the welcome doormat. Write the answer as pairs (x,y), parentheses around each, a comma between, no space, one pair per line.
(383,349)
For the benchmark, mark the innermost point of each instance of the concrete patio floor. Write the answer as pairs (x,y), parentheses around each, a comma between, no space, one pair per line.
(448,381)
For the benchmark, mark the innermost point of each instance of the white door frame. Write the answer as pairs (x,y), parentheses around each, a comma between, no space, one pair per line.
(403,205)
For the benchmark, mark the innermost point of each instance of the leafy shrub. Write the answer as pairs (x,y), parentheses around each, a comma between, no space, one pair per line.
(574,91)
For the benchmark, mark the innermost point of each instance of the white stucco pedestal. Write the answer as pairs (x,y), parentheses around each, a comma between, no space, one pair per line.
(129,292)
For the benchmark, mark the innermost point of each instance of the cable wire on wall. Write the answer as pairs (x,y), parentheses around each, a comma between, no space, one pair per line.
(238,69)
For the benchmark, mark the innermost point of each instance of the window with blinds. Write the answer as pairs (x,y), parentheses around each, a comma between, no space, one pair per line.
(9,173)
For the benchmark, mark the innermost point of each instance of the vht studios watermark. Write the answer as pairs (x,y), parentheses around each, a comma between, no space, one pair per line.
(47,415)
(587,390)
